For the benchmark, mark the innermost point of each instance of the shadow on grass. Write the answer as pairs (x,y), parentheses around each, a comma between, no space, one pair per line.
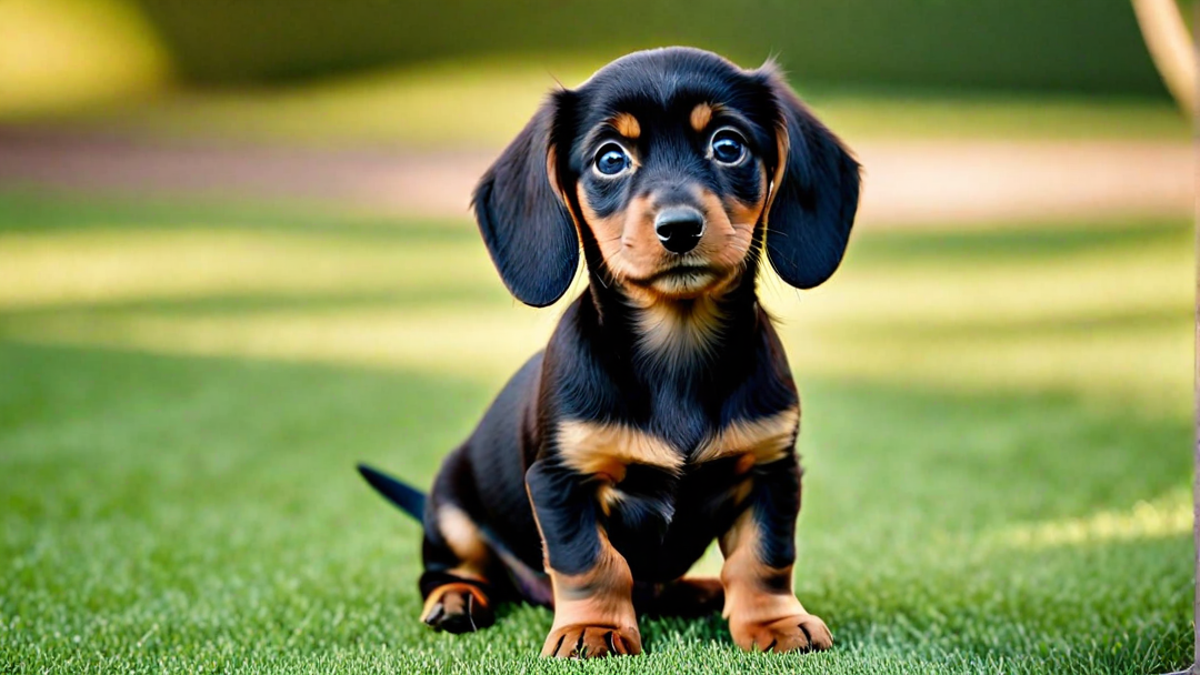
(1107,323)
(1030,241)
(251,303)
(389,296)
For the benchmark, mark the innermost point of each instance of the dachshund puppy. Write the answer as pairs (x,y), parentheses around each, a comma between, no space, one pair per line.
(662,414)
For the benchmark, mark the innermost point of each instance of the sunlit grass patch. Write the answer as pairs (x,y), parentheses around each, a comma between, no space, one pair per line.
(1166,517)
(105,266)
(483,344)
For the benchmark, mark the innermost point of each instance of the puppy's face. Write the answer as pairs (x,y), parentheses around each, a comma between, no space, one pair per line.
(671,188)
(669,165)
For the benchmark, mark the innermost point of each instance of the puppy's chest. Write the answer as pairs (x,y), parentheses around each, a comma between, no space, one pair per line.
(610,449)
(663,503)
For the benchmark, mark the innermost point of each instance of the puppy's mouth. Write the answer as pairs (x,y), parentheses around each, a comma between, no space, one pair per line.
(681,280)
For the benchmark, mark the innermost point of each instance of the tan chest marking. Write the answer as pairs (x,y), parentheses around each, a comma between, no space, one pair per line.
(598,448)
(762,440)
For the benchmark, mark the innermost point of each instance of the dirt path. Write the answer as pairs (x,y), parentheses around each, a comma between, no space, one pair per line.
(906,182)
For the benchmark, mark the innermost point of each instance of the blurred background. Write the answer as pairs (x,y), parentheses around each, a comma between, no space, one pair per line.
(236,257)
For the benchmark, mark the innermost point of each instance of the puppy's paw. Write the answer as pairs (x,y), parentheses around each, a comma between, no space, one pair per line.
(457,608)
(802,632)
(580,641)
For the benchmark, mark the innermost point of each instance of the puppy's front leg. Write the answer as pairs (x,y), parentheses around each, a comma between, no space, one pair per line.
(593,605)
(759,551)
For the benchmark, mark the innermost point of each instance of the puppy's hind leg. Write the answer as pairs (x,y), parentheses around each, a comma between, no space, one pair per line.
(456,587)
(689,597)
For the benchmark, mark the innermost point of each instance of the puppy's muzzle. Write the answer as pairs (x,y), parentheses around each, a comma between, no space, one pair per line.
(679,228)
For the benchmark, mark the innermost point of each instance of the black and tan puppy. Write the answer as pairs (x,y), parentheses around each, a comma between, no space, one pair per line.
(662,414)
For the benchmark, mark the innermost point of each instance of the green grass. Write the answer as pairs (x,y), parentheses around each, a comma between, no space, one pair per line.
(996,436)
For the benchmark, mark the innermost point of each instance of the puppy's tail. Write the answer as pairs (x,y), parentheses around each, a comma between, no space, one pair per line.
(409,499)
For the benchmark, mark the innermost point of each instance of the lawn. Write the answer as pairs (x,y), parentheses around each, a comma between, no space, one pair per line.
(996,436)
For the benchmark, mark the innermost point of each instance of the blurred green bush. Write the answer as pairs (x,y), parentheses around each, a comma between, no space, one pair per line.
(1070,45)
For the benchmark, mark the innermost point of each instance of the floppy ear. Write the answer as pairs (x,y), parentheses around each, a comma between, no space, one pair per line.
(525,224)
(814,196)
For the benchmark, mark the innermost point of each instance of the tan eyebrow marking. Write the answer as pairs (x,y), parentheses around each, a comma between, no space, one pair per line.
(626,125)
(702,114)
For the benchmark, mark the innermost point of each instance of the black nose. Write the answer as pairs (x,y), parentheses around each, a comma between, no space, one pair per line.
(679,228)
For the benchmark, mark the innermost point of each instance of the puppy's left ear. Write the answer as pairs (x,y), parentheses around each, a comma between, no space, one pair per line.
(522,217)
(814,193)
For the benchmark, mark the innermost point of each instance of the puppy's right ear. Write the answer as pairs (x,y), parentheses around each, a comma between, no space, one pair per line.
(524,222)
(815,196)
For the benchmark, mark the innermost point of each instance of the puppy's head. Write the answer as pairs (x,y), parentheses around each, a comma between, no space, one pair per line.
(672,165)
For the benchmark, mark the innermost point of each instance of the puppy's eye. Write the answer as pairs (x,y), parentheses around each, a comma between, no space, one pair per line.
(611,159)
(728,146)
